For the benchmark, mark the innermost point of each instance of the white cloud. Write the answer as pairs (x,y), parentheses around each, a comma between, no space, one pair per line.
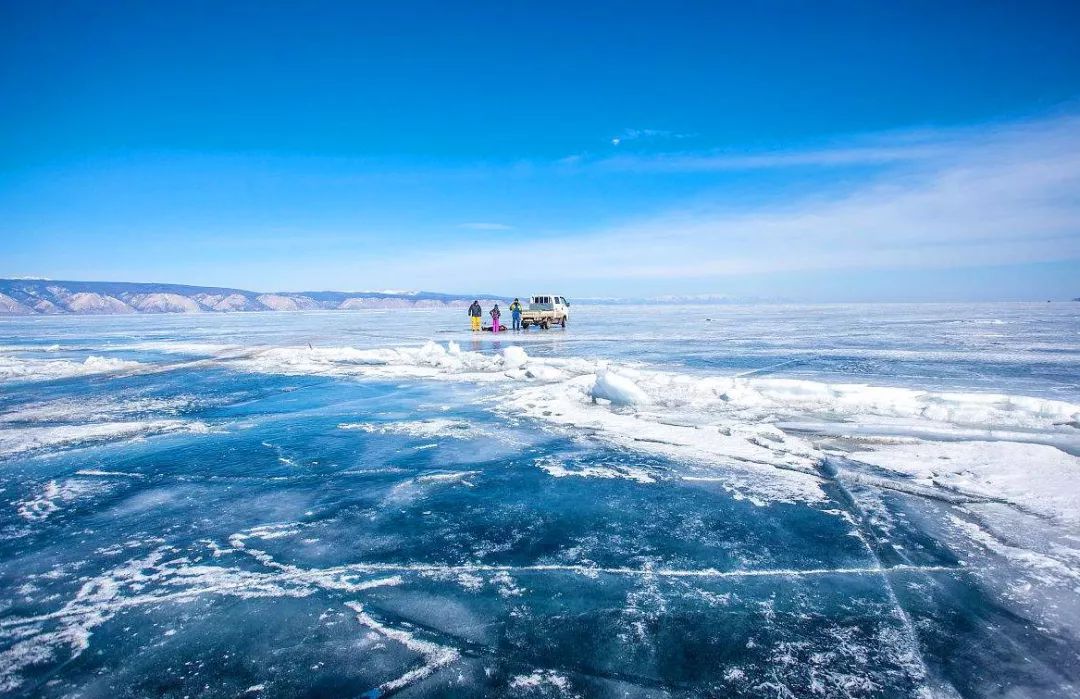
(719,161)
(485,226)
(639,134)
(873,149)
(1001,195)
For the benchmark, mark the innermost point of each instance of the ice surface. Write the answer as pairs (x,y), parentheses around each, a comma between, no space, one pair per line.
(54,495)
(430,360)
(513,357)
(1038,478)
(18,369)
(434,427)
(15,441)
(96,408)
(617,390)
(559,469)
(841,501)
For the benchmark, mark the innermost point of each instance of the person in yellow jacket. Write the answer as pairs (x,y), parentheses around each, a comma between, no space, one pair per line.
(515,314)
(475,312)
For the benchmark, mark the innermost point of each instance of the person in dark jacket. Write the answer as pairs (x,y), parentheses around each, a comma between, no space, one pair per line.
(475,312)
(495,313)
(515,314)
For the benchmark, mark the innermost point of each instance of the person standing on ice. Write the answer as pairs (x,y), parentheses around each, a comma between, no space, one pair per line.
(515,314)
(475,312)
(495,313)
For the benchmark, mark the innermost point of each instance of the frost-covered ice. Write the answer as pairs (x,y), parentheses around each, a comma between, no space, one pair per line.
(558,468)
(1038,478)
(20,440)
(535,682)
(617,390)
(54,496)
(95,408)
(841,501)
(13,368)
(414,428)
(430,360)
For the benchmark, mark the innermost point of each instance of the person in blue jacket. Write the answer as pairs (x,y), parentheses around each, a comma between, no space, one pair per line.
(515,314)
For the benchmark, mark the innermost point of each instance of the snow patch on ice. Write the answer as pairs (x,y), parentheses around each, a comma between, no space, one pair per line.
(22,369)
(178,347)
(429,361)
(514,357)
(447,477)
(54,495)
(1039,478)
(435,656)
(538,680)
(757,459)
(158,578)
(1046,570)
(798,397)
(426,429)
(96,408)
(618,390)
(107,474)
(25,440)
(558,469)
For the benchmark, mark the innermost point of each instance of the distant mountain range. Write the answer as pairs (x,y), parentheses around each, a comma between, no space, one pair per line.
(45,296)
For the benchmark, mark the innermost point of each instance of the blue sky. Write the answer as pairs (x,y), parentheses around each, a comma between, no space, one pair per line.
(817,150)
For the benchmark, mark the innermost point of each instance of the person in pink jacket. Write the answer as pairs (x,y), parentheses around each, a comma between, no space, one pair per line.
(495,313)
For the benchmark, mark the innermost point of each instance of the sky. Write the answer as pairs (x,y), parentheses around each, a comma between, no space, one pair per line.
(822,151)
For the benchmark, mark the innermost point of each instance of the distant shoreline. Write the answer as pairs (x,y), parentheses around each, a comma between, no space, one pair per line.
(43,297)
(32,297)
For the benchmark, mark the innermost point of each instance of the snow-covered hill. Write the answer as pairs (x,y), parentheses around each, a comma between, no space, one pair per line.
(44,296)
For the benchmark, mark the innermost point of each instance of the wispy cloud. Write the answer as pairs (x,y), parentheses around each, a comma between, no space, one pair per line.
(900,147)
(485,226)
(715,161)
(628,135)
(999,195)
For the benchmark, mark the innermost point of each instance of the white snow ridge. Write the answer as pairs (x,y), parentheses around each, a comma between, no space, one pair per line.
(18,441)
(724,426)
(19,369)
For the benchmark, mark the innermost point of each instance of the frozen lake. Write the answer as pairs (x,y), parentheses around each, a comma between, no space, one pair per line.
(724,501)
